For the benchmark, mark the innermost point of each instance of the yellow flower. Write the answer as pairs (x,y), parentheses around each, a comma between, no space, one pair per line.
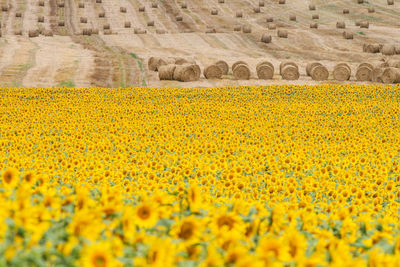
(145,215)
(98,255)
(194,198)
(189,229)
(272,248)
(10,178)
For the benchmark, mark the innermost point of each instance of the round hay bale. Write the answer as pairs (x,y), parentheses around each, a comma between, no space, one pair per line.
(390,2)
(366,64)
(348,35)
(214,12)
(292,17)
(314,25)
(154,5)
(372,48)
(266,38)
(18,14)
(357,23)
(257,9)
(290,73)
(310,66)
(152,63)
(371,10)
(364,73)
(315,16)
(61,4)
(87,32)
(376,75)
(287,63)
(166,72)
(265,70)
(246,29)
(33,33)
(122,9)
(139,31)
(391,75)
(98,1)
(181,61)
(48,33)
(95,31)
(340,25)
(212,72)
(165,61)
(311,7)
(239,14)
(241,72)
(185,73)
(142,8)
(160,31)
(107,32)
(41,3)
(179,18)
(183,5)
(197,70)
(394,63)
(106,26)
(271,26)
(341,72)
(221,1)
(223,66)
(360,1)
(127,24)
(81,5)
(364,24)
(208,31)
(4,8)
(150,23)
(261,3)
(270,19)
(102,15)
(238,63)
(61,23)
(83,20)
(282,2)
(319,73)
(388,50)
(346,11)
(237,28)
(282,33)
(41,19)
(397,49)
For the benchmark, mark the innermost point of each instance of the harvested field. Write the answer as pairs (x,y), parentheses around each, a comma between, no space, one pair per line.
(162,35)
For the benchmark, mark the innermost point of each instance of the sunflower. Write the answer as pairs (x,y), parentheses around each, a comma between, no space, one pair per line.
(145,215)
(10,178)
(188,229)
(271,248)
(98,255)
(194,198)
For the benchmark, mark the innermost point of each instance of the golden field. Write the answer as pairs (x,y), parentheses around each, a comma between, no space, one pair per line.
(232,176)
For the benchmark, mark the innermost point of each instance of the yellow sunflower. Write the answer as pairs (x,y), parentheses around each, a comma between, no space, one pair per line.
(10,178)
(194,198)
(145,215)
(188,229)
(98,255)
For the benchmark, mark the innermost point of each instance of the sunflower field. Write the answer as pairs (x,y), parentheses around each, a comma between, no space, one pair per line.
(233,176)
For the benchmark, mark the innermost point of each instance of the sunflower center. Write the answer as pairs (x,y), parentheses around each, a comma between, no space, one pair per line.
(186,230)
(225,220)
(144,213)
(99,261)
(8,177)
